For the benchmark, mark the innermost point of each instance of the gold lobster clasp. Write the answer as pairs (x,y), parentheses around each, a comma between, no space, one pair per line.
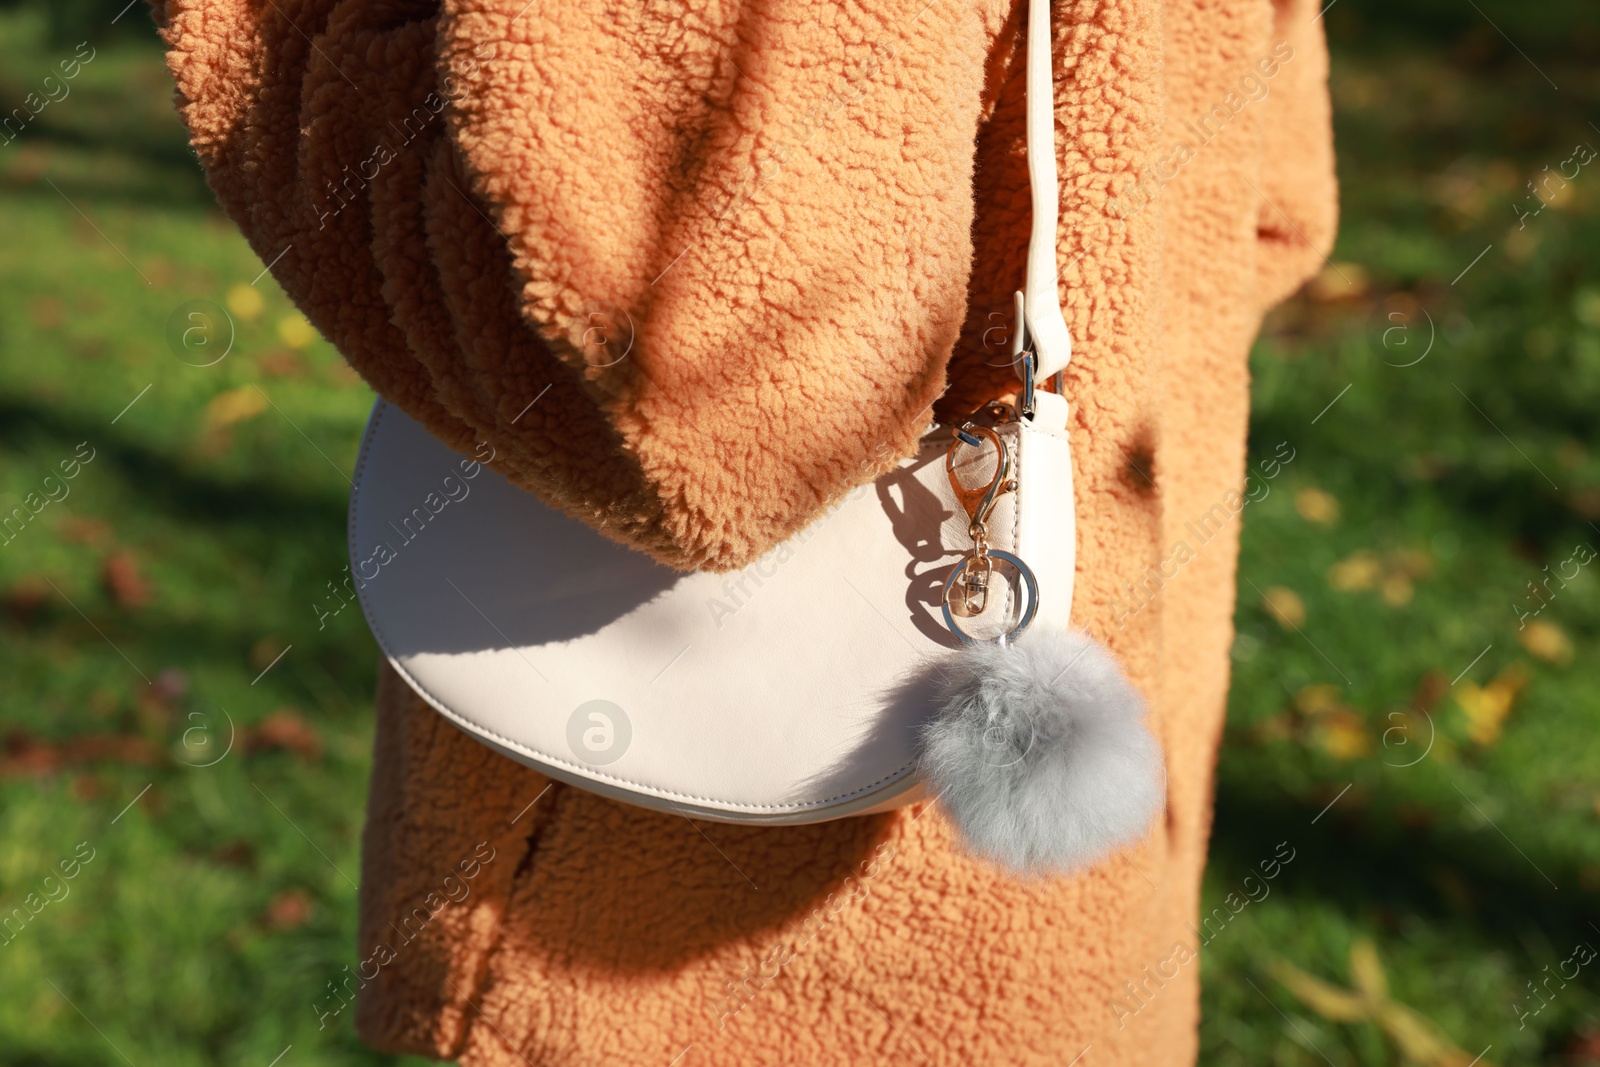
(979,501)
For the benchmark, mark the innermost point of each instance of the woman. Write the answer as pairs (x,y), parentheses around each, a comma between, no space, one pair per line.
(693,271)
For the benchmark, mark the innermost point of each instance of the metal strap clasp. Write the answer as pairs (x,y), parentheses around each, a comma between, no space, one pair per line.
(979,501)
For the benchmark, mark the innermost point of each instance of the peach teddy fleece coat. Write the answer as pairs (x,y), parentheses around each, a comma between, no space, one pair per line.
(694,270)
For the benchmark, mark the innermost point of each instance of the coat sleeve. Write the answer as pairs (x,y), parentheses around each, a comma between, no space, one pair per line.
(692,269)
(1299,212)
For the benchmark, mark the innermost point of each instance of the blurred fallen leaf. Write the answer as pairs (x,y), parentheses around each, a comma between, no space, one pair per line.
(1424,468)
(264,652)
(283,363)
(1487,706)
(1361,570)
(1458,192)
(1333,727)
(111,748)
(1520,243)
(1584,1048)
(245,301)
(122,579)
(235,854)
(1317,506)
(1393,576)
(1585,503)
(25,755)
(343,374)
(1316,699)
(159,270)
(1558,197)
(1411,562)
(47,312)
(1338,281)
(1419,1039)
(288,910)
(169,685)
(1342,734)
(29,163)
(285,730)
(86,530)
(1397,590)
(1328,1001)
(1431,688)
(1274,728)
(296,331)
(1366,972)
(1547,641)
(233,406)
(1409,736)
(1285,606)
(1571,454)
(1586,306)
(25,597)
(154,710)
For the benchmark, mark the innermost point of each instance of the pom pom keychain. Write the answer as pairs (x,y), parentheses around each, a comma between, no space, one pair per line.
(1039,750)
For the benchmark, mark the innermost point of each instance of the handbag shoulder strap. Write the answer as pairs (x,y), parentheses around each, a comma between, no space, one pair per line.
(1052,343)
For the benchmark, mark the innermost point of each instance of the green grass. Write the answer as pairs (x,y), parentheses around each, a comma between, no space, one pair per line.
(217,906)
(169,940)
(1473,867)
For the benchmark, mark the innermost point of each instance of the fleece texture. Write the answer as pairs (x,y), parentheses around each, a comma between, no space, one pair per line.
(694,269)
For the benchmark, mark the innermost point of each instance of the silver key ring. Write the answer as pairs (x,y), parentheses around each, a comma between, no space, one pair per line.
(1028,580)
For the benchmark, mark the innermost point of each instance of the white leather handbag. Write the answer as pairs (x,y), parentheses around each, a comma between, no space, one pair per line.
(796,690)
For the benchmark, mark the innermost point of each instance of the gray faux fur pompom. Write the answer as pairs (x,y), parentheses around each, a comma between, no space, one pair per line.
(1040,754)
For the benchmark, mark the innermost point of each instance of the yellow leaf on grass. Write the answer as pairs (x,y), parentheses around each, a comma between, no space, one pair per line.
(1397,590)
(1285,606)
(1316,699)
(1521,242)
(1393,576)
(1366,970)
(1420,1041)
(245,301)
(1338,281)
(295,331)
(1487,706)
(1547,641)
(1316,506)
(1342,734)
(1328,1001)
(1281,728)
(1360,570)
(233,406)
(1338,730)
(1411,562)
